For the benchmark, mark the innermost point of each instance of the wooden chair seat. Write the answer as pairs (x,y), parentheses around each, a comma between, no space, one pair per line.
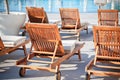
(9,44)
(12,41)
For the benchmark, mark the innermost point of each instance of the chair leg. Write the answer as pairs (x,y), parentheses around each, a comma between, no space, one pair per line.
(58,76)
(25,51)
(58,73)
(79,55)
(87,30)
(24,33)
(87,76)
(78,36)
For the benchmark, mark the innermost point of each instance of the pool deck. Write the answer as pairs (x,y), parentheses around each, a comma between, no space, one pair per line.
(71,69)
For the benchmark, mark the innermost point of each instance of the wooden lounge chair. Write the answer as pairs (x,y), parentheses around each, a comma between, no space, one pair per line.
(71,21)
(10,36)
(37,15)
(108,17)
(46,43)
(107,52)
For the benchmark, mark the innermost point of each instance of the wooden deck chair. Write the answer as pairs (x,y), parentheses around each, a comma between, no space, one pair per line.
(71,21)
(108,17)
(107,52)
(37,15)
(9,33)
(46,43)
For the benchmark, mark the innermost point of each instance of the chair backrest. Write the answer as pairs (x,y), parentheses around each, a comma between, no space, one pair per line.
(108,17)
(44,37)
(70,18)
(10,23)
(1,44)
(37,15)
(107,41)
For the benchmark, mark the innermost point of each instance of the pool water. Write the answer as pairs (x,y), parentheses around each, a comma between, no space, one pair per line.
(52,6)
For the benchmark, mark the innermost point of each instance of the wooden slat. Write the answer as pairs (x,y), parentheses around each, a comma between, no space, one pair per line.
(37,68)
(38,61)
(108,67)
(103,73)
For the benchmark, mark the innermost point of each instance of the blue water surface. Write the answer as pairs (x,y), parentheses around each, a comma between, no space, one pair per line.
(52,6)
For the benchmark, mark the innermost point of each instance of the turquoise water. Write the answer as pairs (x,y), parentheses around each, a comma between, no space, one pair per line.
(52,6)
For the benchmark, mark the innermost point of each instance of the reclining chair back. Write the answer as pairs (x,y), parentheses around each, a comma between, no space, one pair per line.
(70,18)
(37,15)
(107,43)
(108,17)
(46,39)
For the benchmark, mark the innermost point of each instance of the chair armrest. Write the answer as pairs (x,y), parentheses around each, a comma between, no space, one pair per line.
(65,57)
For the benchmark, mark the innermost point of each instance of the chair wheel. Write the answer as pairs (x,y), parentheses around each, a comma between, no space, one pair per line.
(58,76)
(22,72)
